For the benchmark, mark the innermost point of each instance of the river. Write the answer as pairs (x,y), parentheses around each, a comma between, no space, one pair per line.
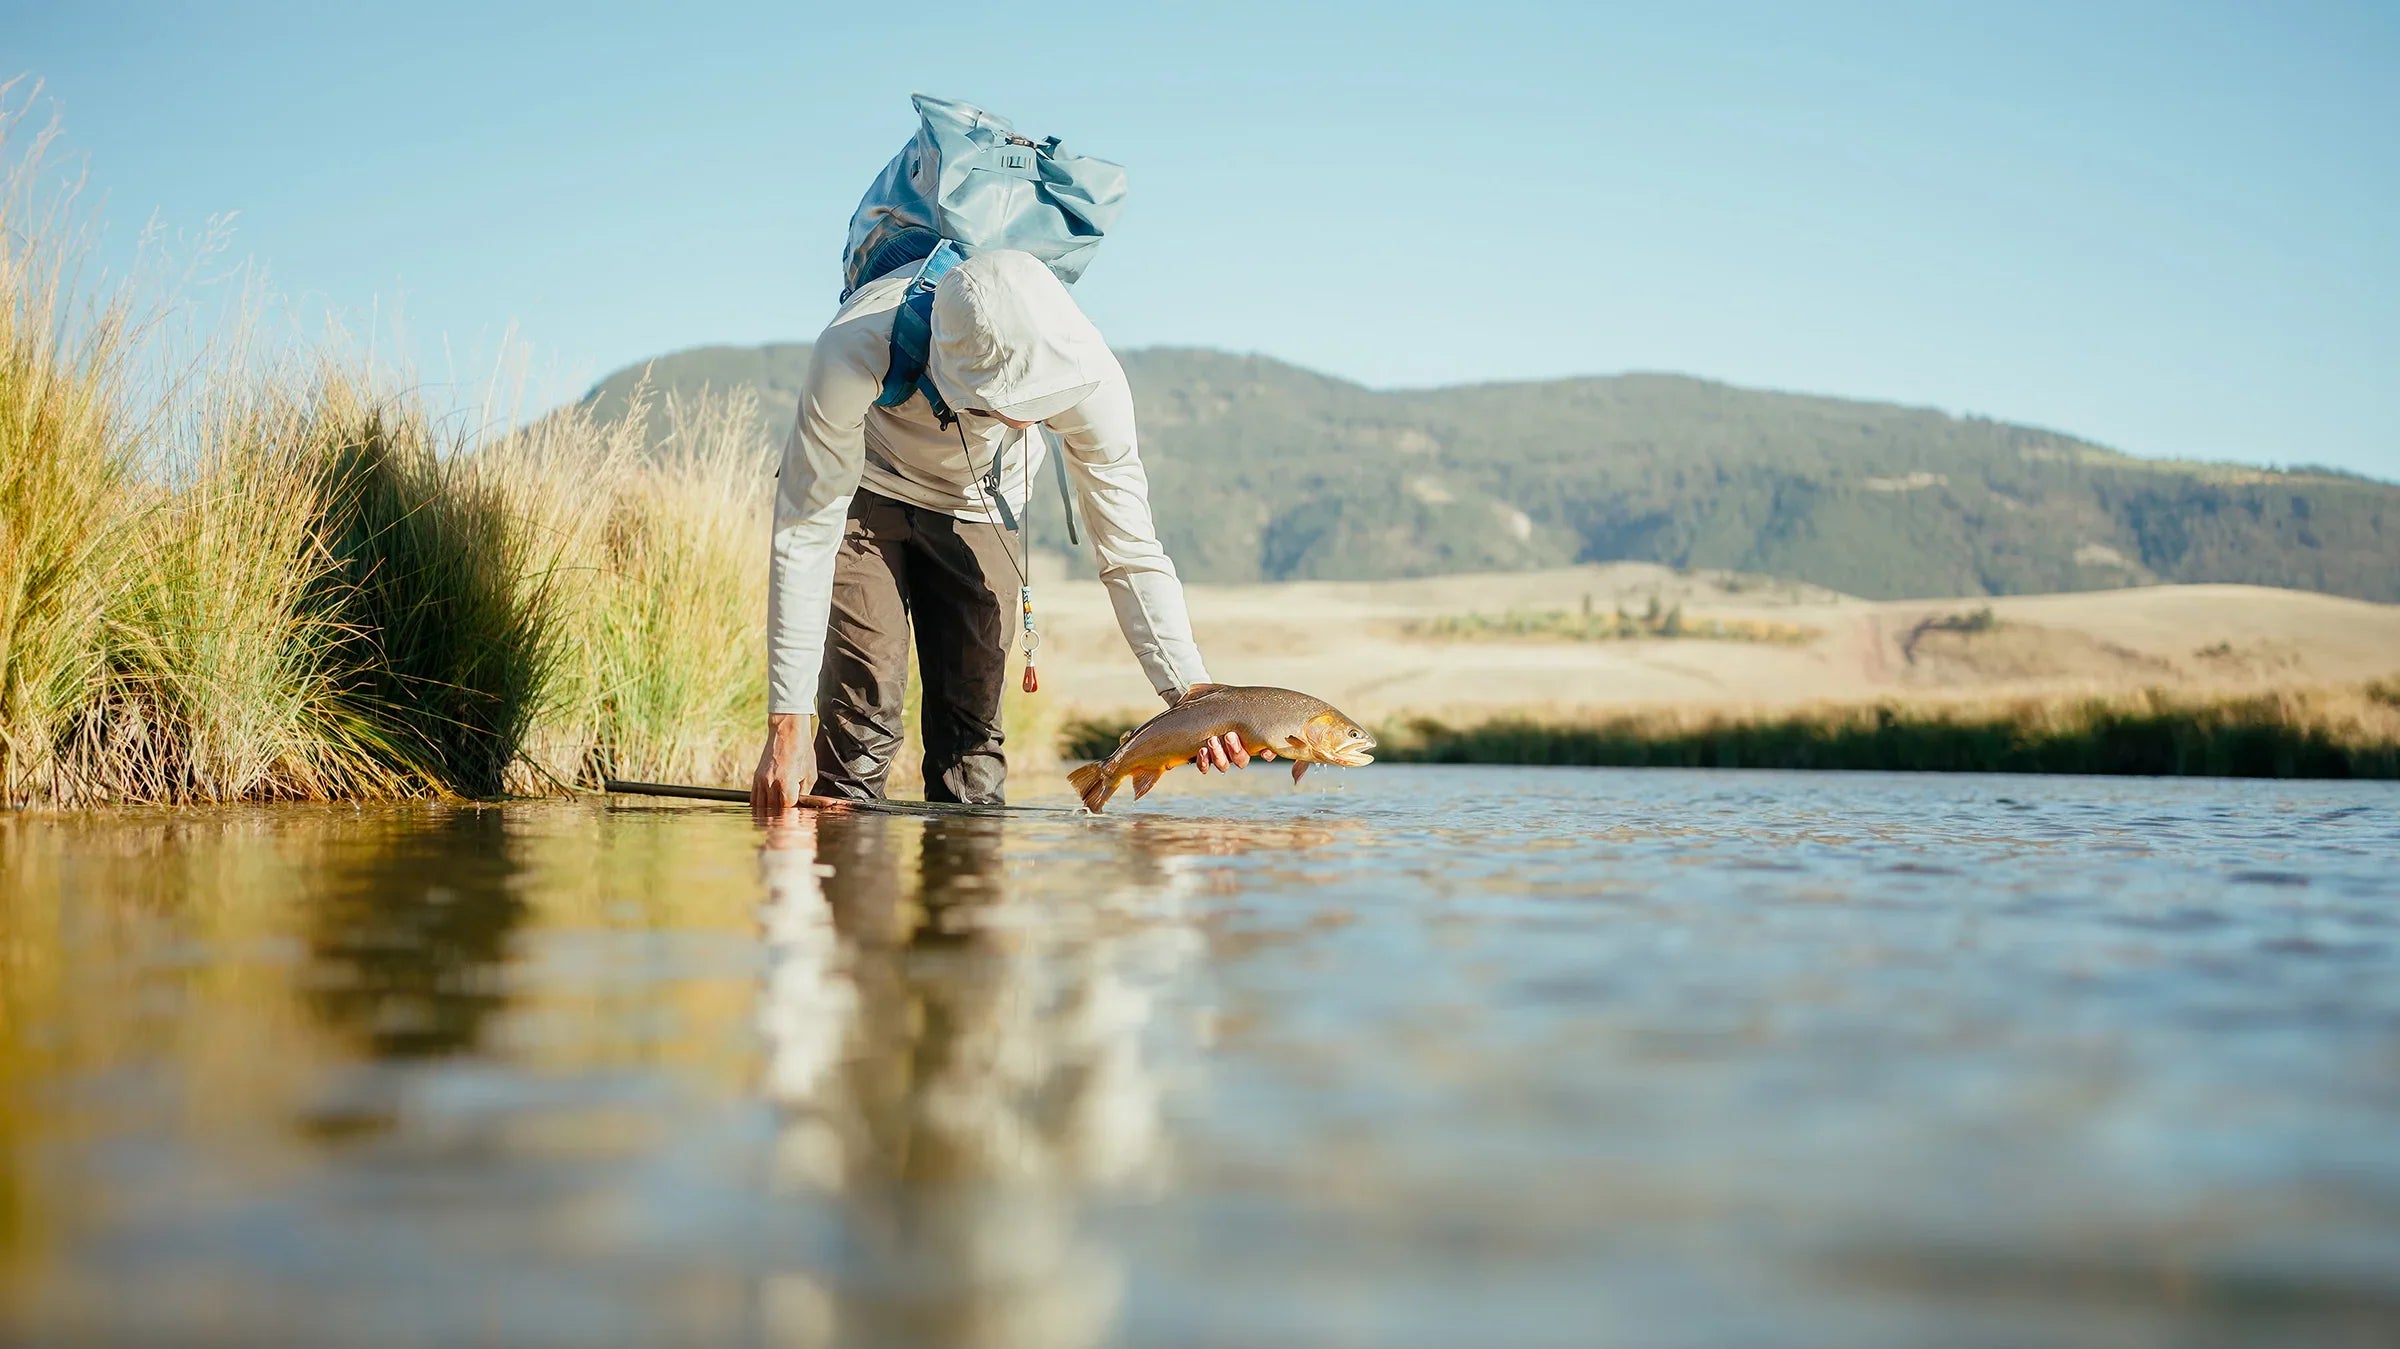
(1413,1056)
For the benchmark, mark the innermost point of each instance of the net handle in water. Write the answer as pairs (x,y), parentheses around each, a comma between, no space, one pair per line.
(617,788)
(737,796)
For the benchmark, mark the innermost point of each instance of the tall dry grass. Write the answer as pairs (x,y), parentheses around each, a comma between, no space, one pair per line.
(220,648)
(239,582)
(659,570)
(662,590)
(67,463)
(329,601)
(449,607)
(319,599)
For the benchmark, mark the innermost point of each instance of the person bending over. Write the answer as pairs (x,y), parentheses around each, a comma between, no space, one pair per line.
(887,529)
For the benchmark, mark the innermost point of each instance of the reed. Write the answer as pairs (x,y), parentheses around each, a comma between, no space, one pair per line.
(67,463)
(448,607)
(657,587)
(221,655)
(315,602)
(227,581)
(164,631)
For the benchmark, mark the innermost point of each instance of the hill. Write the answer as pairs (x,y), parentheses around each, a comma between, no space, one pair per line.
(1266,471)
(1378,648)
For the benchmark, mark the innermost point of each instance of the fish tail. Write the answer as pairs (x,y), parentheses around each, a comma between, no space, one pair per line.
(1093,783)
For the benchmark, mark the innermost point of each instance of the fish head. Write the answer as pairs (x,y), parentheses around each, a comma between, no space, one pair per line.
(1335,739)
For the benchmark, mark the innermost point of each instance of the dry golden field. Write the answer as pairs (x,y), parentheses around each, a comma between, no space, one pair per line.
(1352,643)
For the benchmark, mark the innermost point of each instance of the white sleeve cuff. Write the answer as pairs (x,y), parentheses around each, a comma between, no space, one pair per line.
(1151,612)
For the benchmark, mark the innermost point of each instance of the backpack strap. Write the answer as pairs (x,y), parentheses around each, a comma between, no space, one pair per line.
(912,336)
(1058,465)
(906,377)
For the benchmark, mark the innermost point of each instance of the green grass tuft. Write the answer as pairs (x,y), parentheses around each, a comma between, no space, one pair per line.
(448,616)
(67,467)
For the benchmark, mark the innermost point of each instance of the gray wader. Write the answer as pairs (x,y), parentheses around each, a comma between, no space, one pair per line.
(904,569)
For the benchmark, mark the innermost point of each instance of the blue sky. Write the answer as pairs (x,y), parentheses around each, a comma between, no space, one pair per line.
(2174,229)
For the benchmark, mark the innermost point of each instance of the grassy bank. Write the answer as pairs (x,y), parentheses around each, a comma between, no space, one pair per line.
(2311,733)
(223,578)
(227,578)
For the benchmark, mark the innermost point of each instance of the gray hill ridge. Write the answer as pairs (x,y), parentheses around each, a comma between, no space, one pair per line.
(1262,470)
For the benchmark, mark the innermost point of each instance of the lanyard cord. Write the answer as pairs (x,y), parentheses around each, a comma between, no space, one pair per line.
(997,496)
(985,482)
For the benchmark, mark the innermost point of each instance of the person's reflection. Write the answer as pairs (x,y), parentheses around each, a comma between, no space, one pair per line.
(964,1069)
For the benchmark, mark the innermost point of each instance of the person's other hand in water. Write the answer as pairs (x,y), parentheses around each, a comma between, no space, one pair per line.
(787,766)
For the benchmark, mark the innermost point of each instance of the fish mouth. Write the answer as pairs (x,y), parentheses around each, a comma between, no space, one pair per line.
(1353,753)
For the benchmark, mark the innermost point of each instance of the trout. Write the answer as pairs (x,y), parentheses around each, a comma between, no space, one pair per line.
(1295,726)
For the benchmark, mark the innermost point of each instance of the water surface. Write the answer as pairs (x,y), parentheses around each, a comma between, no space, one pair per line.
(1420,1056)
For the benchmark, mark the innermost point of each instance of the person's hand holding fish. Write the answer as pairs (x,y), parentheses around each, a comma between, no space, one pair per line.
(1224,752)
(1222,727)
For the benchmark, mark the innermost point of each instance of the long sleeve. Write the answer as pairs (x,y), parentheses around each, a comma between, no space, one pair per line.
(822,461)
(1105,465)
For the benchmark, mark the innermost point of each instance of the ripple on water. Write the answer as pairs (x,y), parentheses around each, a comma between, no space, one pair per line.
(1417,1056)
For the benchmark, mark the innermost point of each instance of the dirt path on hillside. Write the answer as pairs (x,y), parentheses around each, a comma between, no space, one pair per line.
(1874,660)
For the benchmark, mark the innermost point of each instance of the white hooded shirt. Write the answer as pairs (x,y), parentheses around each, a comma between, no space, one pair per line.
(1007,338)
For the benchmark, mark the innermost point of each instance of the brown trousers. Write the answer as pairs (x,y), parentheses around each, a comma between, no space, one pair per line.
(905,569)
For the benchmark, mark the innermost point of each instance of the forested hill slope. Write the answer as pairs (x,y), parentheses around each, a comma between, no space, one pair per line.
(1262,470)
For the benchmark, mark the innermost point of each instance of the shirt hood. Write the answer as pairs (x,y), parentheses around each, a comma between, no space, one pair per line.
(1008,338)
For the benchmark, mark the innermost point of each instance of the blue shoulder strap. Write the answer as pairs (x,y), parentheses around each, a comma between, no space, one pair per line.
(912,342)
(912,336)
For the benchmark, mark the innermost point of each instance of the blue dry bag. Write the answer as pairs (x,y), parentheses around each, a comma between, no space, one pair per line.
(968,183)
(968,177)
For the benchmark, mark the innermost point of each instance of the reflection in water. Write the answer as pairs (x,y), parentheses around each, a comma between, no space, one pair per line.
(1448,1057)
(964,1072)
(408,940)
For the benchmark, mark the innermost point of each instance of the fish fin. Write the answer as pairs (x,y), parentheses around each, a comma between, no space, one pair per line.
(1143,780)
(1093,784)
(1299,767)
(1192,691)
